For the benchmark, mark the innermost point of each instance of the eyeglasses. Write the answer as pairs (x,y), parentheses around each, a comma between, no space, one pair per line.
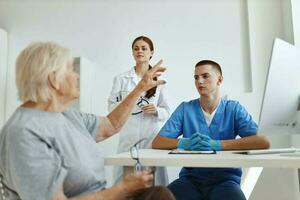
(134,153)
(141,102)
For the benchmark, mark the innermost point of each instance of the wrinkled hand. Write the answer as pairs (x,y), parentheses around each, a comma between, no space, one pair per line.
(149,109)
(134,182)
(199,142)
(148,81)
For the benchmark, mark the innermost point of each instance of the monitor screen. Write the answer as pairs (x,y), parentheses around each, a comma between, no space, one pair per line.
(279,111)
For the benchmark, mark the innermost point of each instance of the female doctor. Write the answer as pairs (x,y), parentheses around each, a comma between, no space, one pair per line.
(150,109)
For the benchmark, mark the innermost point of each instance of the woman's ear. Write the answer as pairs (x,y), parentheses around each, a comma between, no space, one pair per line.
(53,83)
(152,52)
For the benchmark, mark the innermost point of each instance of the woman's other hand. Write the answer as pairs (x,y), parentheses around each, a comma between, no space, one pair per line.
(134,182)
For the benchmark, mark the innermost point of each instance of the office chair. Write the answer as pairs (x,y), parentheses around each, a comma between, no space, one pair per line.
(2,189)
(6,193)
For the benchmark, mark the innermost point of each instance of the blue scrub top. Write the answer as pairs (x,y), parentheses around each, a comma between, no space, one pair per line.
(230,120)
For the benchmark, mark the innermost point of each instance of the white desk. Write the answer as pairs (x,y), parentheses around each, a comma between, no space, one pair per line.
(151,157)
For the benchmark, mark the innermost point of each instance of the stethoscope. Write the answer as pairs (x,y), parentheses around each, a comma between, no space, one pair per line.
(142,101)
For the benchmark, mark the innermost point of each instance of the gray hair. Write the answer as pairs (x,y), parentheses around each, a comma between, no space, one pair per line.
(33,66)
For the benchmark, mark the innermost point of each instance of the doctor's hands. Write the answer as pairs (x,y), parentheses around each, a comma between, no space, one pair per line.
(199,142)
(149,109)
(148,81)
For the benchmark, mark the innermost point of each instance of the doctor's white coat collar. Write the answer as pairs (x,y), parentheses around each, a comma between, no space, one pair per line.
(132,75)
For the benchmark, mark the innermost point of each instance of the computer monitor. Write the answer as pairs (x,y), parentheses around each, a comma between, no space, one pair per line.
(280,106)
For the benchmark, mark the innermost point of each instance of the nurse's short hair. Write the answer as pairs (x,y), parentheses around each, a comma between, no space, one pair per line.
(33,66)
(212,63)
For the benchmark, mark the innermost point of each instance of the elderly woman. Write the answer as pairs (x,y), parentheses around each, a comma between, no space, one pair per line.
(48,151)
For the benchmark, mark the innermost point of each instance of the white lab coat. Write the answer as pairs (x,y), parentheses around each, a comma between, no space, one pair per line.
(140,125)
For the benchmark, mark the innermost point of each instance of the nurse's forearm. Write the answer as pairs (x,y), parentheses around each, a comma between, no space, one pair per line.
(250,142)
(160,142)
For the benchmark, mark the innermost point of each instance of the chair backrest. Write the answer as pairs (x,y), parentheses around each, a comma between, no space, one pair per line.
(6,193)
(2,189)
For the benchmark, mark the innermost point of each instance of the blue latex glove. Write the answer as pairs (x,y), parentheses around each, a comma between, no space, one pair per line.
(190,143)
(208,144)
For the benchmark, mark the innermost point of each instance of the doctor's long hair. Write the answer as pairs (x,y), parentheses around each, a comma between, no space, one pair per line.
(150,93)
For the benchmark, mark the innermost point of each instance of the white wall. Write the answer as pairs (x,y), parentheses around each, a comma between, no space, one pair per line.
(102,31)
(265,23)
(296,20)
(3,70)
(183,32)
(269,19)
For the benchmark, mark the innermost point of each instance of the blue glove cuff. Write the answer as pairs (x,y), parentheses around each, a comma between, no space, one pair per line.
(216,145)
(182,143)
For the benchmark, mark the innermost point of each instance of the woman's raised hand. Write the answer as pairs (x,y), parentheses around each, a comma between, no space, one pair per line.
(148,81)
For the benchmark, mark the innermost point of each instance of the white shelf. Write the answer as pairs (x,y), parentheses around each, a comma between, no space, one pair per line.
(3,73)
(86,70)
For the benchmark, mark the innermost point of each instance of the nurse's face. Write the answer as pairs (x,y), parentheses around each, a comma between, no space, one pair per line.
(207,79)
(141,51)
